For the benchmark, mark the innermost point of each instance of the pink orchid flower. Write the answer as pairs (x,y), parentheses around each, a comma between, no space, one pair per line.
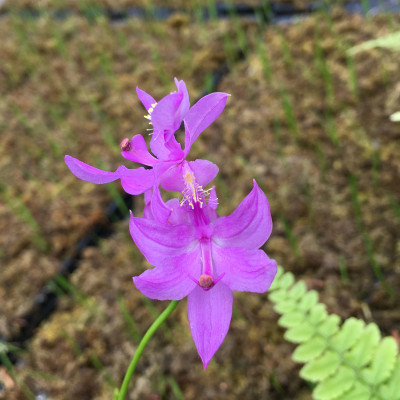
(203,256)
(166,117)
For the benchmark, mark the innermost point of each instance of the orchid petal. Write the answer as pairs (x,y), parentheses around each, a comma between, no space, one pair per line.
(248,226)
(166,114)
(88,173)
(159,209)
(147,212)
(209,315)
(138,152)
(145,98)
(172,281)
(166,119)
(172,179)
(160,242)
(167,131)
(185,105)
(204,171)
(202,115)
(175,149)
(162,172)
(179,214)
(213,199)
(164,150)
(134,181)
(244,270)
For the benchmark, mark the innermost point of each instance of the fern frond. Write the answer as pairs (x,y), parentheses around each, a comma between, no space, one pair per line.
(347,362)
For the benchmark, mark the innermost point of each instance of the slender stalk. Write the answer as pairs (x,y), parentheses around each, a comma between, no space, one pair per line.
(143,343)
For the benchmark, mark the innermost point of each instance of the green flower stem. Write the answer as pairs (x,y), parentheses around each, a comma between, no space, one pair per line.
(143,343)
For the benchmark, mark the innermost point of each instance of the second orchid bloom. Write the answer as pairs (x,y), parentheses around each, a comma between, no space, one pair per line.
(195,252)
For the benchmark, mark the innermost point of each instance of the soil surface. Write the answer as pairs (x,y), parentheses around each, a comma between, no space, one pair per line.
(13,5)
(307,121)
